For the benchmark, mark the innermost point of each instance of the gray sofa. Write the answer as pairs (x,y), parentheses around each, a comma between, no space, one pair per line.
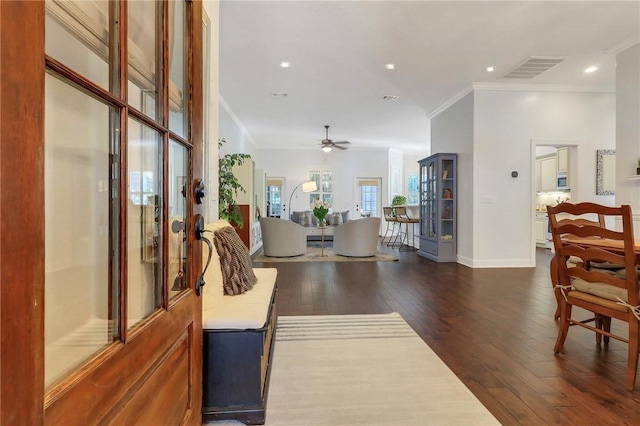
(357,238)
(282,238)
(307,220)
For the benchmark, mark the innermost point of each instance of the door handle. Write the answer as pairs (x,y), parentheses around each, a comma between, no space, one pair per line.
(199,229)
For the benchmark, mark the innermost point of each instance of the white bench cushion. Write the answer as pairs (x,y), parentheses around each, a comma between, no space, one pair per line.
(245,311)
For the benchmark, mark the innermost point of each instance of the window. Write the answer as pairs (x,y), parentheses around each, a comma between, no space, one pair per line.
(324,182)
(413,191)
(141,187)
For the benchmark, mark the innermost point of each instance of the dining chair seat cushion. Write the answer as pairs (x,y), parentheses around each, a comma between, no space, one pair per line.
(587,297)
(573,260)
(601,290)
(607,265)
(622,273)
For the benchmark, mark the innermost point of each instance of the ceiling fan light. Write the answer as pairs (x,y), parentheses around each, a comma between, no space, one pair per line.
(326,148)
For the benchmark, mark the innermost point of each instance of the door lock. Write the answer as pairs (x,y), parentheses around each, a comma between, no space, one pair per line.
(200,190)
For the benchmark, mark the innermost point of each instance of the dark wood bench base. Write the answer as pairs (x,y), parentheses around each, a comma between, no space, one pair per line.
(236,368)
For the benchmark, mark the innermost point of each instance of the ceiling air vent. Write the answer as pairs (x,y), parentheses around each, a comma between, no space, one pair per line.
(279,94)
(391,97)
(533,67)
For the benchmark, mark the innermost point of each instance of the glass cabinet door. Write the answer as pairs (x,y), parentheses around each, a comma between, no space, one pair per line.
(447,210)
(428,199)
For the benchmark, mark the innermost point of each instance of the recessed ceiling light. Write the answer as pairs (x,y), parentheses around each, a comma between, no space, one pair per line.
(491,69)
(285,64)
(390,66)
(591,69)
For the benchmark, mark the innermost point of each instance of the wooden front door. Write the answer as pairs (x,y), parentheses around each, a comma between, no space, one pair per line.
(101,141)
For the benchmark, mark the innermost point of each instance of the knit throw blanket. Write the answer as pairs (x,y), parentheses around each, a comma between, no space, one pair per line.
(235,262)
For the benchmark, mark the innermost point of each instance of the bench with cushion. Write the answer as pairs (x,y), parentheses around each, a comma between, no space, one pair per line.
(237,345)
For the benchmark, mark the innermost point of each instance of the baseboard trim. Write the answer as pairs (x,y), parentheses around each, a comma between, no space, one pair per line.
(495,263)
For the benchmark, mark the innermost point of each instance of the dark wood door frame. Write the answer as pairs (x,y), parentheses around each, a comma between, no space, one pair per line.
(22,272)
(21,212)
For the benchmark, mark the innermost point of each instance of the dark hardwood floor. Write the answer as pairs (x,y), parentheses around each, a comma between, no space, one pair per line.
(493,327)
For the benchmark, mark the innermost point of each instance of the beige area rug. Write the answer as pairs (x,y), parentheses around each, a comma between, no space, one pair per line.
(313,254)
(372,370)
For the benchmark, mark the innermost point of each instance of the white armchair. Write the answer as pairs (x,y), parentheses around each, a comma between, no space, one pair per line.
(357,238)
(282,238)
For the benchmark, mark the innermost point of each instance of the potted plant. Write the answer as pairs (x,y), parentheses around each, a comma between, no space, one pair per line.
(399,200)
(228,186)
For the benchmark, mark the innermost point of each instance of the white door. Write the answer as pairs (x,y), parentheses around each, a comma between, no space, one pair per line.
(368,202)
(275,189)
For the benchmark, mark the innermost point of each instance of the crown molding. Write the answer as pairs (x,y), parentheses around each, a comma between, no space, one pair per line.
(225,106)
(450,102)
(618,48)
(523,87)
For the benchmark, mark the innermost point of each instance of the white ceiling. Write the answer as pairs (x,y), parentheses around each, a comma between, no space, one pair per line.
(338,50)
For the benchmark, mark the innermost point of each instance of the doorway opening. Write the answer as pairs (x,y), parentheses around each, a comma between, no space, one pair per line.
(275,189)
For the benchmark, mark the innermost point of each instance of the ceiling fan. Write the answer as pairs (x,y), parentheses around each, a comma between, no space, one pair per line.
(328,144)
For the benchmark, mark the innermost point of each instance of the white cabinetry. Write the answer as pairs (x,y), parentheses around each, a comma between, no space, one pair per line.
(563,160)
(541,229)
(548,174)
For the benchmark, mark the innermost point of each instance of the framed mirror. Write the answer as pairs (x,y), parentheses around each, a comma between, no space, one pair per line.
(605,172)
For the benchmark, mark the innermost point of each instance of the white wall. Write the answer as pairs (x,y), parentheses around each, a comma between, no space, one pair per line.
(452,131)
(232,130)
(396,175)
(210,104)
(628,128)
(505,122)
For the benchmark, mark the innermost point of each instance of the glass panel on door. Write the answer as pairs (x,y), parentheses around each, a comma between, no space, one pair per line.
(81,253)
(178,191)
(143,18)
(369,197)
(144,222)
(178,70)
(78,35)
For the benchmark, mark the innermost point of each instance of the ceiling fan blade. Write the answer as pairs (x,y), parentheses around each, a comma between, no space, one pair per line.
(339,146)
(344,142)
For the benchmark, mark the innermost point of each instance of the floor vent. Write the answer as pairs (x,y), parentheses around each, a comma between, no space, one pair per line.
(533,67)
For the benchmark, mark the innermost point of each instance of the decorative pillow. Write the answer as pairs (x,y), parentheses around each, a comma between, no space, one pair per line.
(336,219)
(235,262)
(296,216)
(345,216)
(305,218)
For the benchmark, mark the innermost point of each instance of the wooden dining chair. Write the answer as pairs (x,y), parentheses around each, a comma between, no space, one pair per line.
(578,221)
(599,291)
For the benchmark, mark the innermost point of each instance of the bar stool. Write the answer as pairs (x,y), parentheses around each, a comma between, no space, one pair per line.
(403,218)
(391,222)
